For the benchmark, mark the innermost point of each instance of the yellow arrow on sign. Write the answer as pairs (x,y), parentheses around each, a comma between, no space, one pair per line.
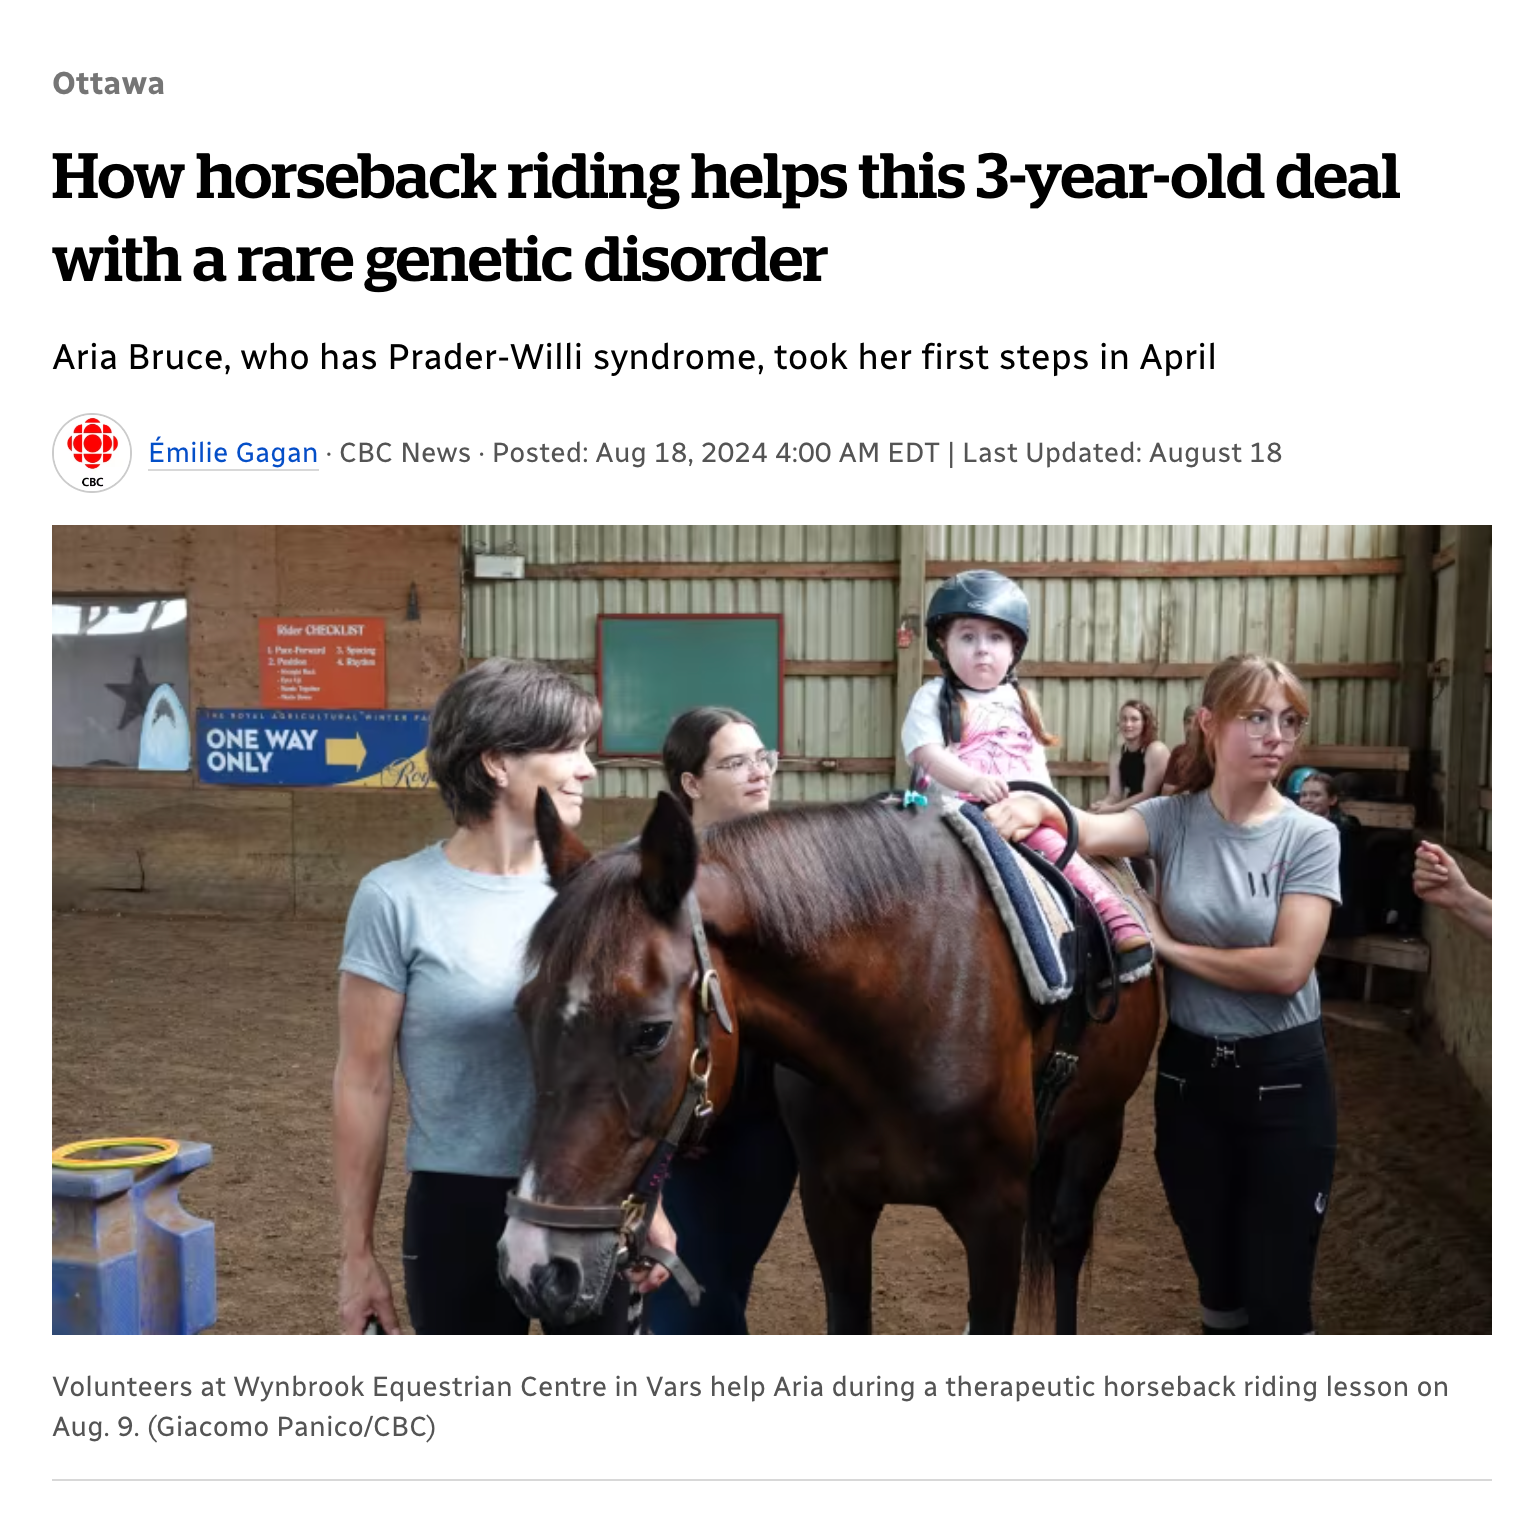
(345,752)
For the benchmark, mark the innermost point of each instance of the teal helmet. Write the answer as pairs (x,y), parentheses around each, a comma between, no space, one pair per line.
(977,593)
(1296,779)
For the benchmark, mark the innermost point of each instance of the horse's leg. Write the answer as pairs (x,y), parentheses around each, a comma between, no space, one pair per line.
(1087,1161)
(991,1227)
(841,1230)
(840,1224)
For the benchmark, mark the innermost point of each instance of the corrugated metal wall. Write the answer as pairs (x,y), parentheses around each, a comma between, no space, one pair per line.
(1298,619)
(1112,620)
(841,620)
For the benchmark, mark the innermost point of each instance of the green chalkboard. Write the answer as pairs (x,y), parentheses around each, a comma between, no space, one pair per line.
(651,669)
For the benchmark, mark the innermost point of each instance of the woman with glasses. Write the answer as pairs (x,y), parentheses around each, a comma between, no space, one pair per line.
(726,1203)
(1246,1121)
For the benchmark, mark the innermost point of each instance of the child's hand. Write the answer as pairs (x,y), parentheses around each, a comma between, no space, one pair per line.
(988,789)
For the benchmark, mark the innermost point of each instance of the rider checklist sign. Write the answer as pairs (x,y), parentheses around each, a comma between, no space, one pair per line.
(333,662)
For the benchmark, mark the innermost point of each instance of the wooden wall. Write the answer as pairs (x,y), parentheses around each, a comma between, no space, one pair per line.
(1459,985)
(126,842)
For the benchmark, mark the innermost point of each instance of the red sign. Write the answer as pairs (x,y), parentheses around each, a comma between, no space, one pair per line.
(323,662)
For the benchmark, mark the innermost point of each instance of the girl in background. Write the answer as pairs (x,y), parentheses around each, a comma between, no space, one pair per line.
(1137,772)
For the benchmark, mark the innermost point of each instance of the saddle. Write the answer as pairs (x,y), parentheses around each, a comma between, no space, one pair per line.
(1060,942)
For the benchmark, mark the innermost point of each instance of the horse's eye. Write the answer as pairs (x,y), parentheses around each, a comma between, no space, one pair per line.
(650,1038)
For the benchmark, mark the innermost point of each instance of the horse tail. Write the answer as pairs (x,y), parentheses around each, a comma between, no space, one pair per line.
(1039,1231)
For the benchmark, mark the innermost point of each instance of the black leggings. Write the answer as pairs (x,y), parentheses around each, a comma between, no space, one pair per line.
(1246,1143)
(452,1282)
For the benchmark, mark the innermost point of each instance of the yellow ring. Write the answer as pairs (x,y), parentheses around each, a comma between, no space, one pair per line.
(159,1151)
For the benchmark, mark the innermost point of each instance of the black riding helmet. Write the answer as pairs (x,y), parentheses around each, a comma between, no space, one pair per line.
(977,593)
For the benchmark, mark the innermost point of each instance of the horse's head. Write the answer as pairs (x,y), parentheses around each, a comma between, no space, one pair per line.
(613,1019)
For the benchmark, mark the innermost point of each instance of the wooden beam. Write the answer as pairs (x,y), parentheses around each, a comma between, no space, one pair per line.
(1172,569)
(1464,753)
(1382,815)
(910,626)
(829,765)
(1151,670)
(1381,950)
(807,668)
(890,570)
(123,776)
(801,668)
(1040,670)
(1340,756)
(1414,725)
(1355,757)
(719,570)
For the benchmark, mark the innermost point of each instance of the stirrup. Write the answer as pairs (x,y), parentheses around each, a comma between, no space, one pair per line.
(1125,965)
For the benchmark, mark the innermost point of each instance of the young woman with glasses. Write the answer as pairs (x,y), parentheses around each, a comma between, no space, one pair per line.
(1246,1121)
(726,1203)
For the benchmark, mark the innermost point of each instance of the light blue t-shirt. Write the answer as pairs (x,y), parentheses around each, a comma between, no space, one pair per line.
(1222,885)
(454,942)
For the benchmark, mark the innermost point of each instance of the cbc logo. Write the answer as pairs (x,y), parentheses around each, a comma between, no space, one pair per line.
(92,452)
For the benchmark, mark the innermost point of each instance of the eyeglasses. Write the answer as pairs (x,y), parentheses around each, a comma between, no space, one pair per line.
(1260,725)
(738,767)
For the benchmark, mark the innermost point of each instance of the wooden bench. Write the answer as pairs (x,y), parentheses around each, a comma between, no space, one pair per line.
(1382,815)
(1373,950)
(1356,757)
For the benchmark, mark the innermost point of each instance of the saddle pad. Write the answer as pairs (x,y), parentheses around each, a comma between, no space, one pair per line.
(1036,921)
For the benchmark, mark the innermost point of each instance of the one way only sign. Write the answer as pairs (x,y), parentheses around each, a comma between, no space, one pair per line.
(281,747)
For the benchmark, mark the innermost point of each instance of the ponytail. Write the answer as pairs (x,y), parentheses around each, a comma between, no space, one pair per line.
(950,710)
(1031,714)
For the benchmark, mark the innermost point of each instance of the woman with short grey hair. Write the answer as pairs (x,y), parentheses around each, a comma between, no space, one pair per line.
(431,967)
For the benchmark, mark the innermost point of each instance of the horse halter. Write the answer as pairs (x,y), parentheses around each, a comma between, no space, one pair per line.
(631,1219)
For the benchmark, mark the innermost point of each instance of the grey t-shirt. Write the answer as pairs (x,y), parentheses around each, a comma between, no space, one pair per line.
(454,943)
(1221,885)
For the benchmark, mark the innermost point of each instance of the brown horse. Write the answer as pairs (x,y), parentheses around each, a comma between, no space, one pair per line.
(857,946)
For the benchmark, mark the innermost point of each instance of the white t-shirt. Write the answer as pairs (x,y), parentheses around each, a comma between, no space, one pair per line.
(1001,708)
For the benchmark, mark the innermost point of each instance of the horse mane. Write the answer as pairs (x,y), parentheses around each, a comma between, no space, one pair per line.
(805,874)
(810,874)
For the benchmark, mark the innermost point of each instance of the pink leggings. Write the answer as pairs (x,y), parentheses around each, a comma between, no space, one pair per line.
(1092,884)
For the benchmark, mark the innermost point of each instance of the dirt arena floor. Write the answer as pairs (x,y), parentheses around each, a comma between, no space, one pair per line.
(224,1032)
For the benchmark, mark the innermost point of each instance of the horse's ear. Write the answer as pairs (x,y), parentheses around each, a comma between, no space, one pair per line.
(668,858)
(563,853)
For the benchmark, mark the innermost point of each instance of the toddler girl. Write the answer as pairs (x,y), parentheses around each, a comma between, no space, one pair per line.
(974,729)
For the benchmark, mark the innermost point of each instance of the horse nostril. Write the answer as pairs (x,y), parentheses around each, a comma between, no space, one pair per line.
(556,1284)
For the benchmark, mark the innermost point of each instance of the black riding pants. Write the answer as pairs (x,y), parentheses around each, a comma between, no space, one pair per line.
(453,1225)
(725,1206)
(1246,1143)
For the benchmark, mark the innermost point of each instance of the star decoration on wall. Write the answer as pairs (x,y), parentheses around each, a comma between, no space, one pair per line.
(135,693)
